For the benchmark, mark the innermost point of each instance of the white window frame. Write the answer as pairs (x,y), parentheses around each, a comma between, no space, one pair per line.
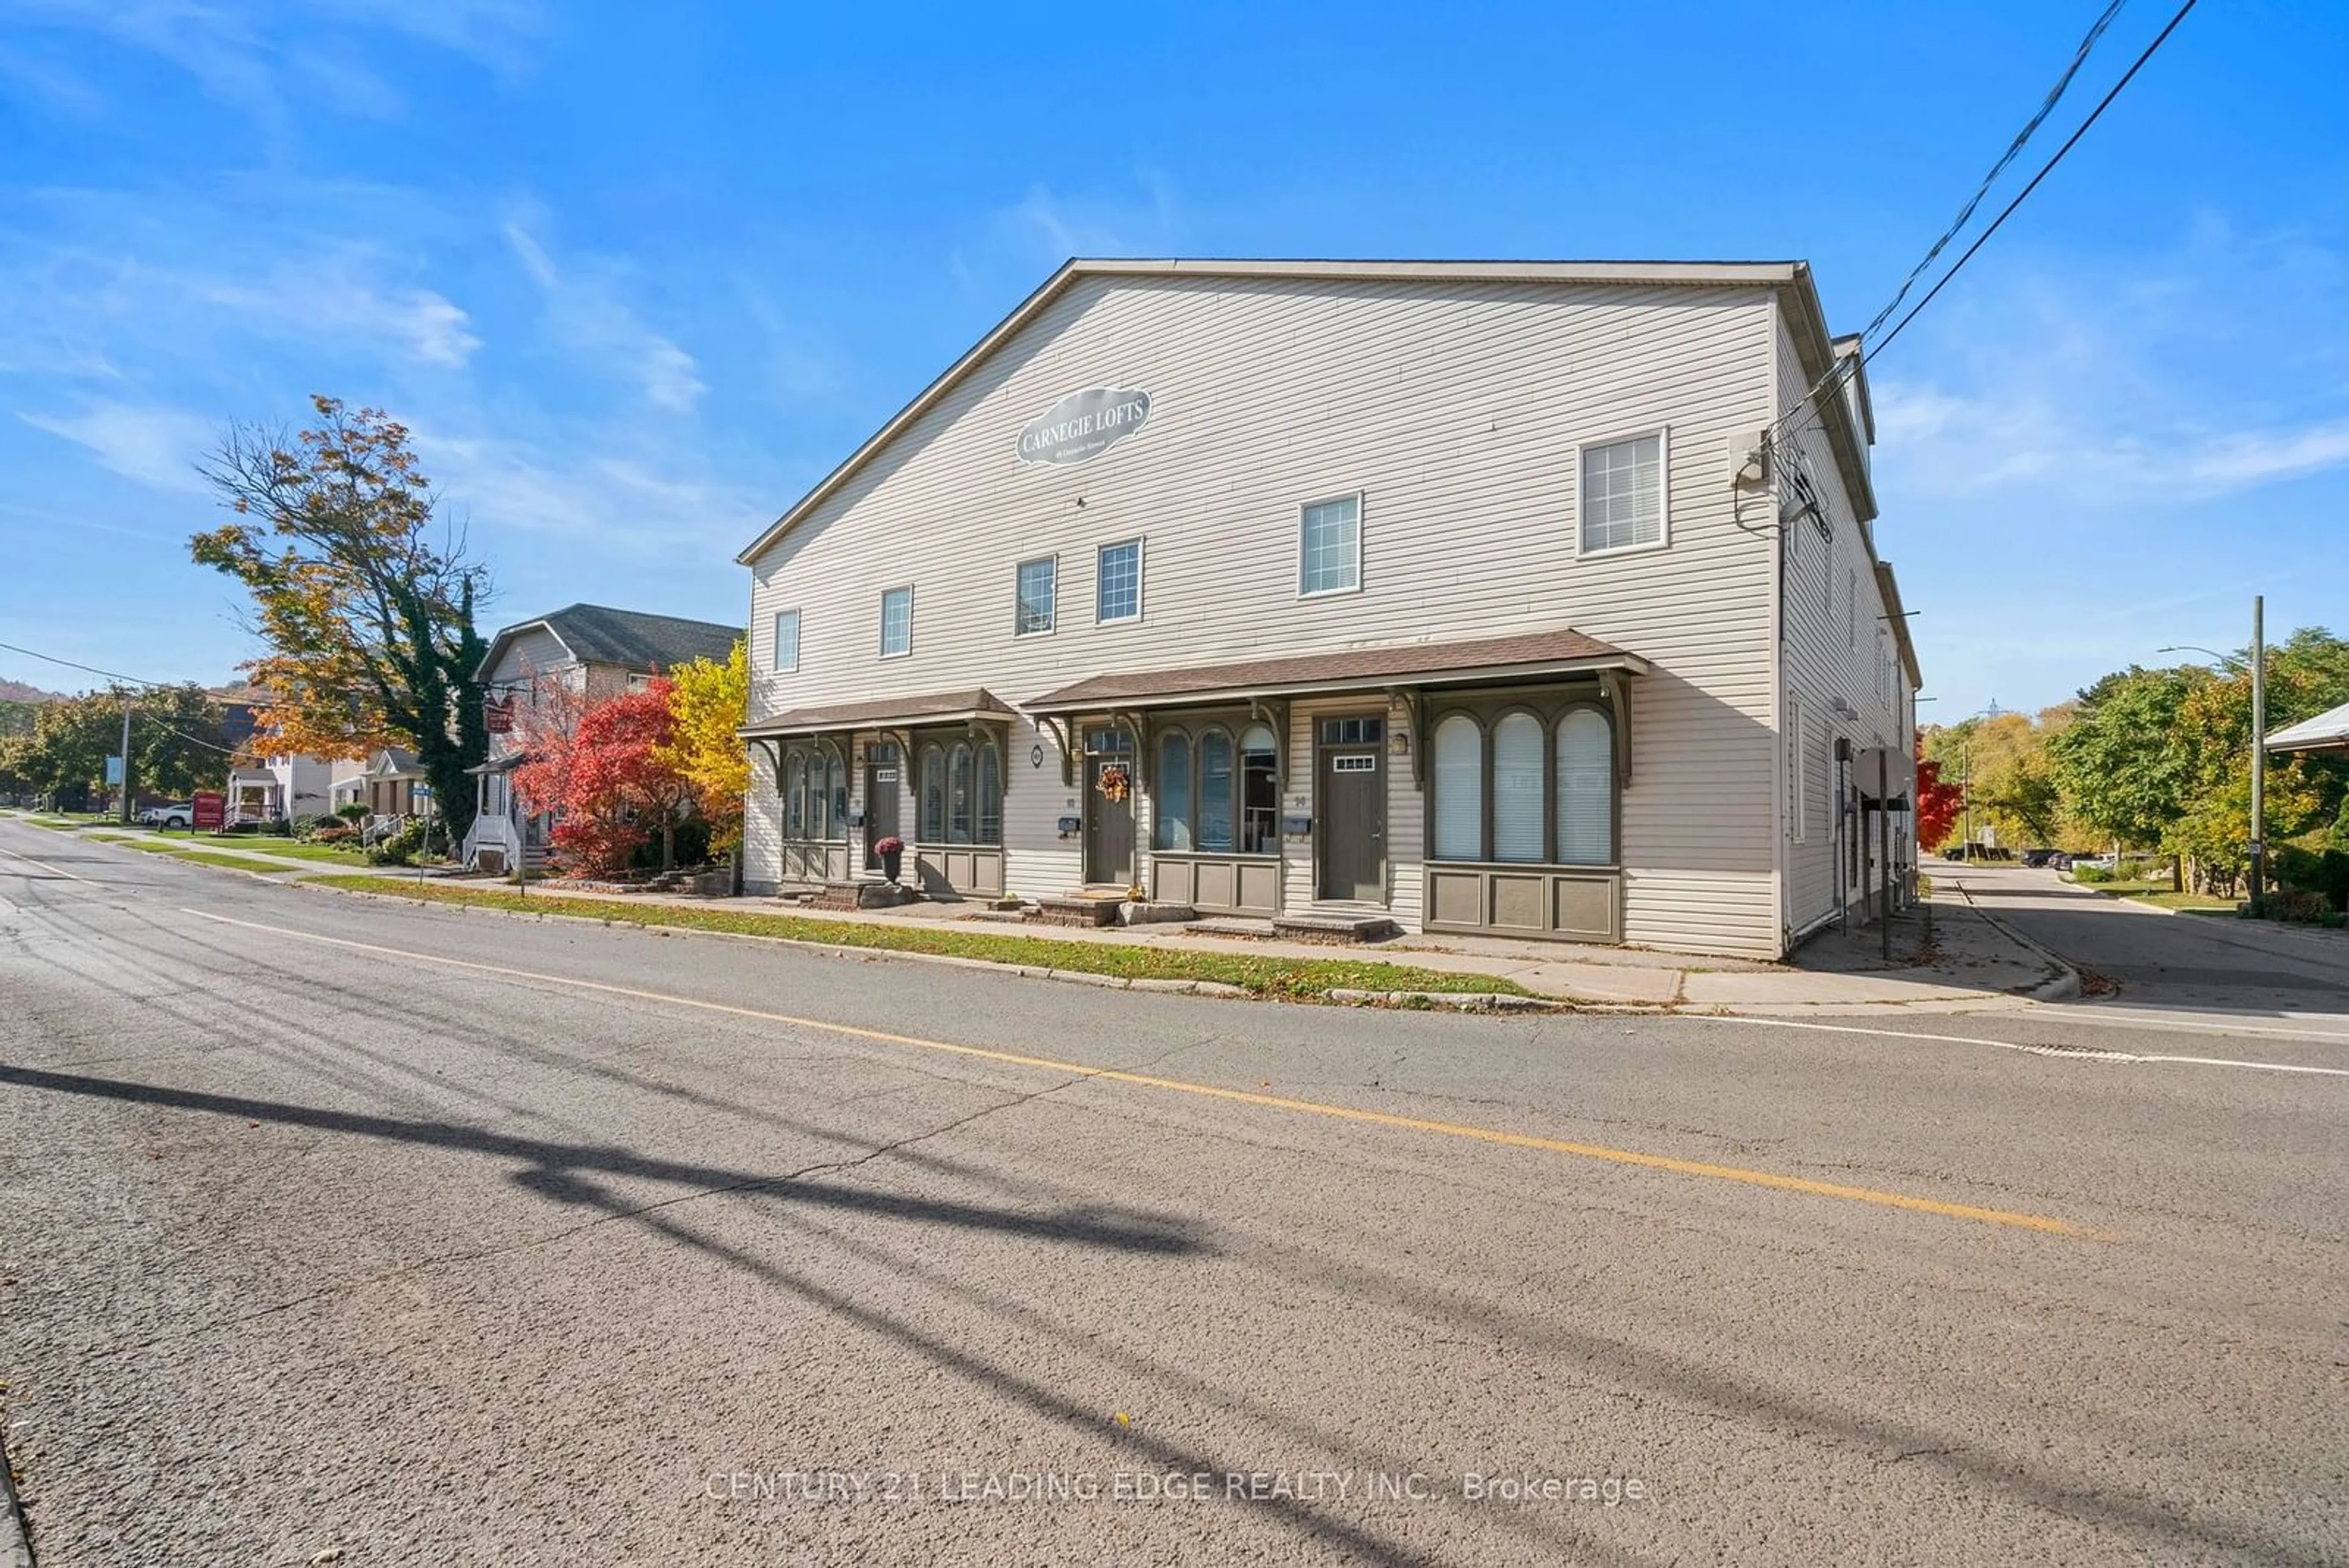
(1140,557)
(1305,506)
(906,589)
(1663,541)
(1052,621)
(775,653)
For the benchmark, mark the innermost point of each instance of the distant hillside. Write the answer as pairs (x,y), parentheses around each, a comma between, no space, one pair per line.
(18,691)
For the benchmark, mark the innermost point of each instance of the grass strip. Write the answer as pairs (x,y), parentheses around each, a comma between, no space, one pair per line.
(1286,978)
(232,862)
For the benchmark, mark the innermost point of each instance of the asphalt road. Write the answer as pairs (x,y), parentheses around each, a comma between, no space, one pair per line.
(443,1238)
(2216,968)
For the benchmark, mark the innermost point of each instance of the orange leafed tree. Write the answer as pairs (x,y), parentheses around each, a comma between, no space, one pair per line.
(364,600)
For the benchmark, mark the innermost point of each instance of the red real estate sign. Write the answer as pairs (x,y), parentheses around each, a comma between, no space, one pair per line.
(211,808)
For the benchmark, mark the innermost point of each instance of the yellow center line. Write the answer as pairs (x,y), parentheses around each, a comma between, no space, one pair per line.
(1217,1091)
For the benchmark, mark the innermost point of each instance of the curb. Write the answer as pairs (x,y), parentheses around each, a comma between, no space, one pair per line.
(1458,1001)
(2063,985)
(1214,987)
(15,1546)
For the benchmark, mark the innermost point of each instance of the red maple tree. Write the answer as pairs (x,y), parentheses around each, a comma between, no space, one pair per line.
(1938,803)
(601,778)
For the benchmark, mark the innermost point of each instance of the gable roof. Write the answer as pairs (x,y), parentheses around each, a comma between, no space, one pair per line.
(1790,280)
(598,633)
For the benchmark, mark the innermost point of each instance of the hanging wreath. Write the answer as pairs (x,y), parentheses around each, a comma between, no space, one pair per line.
(1115,782)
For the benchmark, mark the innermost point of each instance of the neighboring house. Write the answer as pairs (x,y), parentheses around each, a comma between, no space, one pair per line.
(393,784)
(592,650)
(1485,598)
(283,784)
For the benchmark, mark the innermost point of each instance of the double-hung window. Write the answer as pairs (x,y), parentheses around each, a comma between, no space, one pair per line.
(896,622)
(1117,582)
(1623,495)
(1329,546)
(787,640)
(1038,590)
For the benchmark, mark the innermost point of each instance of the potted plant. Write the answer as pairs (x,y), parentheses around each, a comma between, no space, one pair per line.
(891,852)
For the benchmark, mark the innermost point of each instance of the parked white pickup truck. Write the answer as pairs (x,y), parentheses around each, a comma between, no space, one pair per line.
(179,814)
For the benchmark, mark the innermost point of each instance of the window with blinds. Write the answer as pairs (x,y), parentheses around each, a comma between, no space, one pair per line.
(1459,789)
(1517,788)
(1585,789)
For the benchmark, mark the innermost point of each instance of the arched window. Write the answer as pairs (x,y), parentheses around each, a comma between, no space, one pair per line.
(1215,791)
(1172,802)
(1459,789)
(835,818)
(958,794)
(933,828)
(1585,789)
(990,795)
(1517,788)
(1259,791)
(795,806)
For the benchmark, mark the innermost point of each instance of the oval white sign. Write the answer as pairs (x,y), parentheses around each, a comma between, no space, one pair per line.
(1083,425)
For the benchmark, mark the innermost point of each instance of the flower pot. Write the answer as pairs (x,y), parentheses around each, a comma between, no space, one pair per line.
(892,862)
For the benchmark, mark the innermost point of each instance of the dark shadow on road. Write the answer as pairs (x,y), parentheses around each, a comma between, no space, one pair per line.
(552,1166)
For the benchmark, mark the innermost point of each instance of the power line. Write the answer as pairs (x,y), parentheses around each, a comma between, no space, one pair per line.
(1867,351)
(87,669)
(2045,169)
(2014,151)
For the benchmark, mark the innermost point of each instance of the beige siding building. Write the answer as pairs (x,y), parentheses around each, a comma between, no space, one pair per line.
(1477,597)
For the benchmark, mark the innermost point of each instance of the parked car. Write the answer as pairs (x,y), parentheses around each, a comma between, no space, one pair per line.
(2038,857)
(2092,863)
(178,814)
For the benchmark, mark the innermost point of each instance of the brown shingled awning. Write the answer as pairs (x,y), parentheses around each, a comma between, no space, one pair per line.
(1561,652)
(939,708)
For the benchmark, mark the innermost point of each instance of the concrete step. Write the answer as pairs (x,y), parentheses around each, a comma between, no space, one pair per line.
(1075,911)
(1334,925)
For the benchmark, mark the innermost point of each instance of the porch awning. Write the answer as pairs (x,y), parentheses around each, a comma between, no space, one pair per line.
(2328,732)
(1561,652)
(891,713)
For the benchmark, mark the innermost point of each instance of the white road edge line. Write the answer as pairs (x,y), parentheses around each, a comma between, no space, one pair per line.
(2088,1054)
(52,870)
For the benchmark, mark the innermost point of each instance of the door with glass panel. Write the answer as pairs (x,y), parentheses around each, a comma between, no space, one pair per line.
(1352,830)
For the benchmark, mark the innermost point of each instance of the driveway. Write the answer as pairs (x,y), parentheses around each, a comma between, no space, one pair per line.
(336,1229)
(2205,965)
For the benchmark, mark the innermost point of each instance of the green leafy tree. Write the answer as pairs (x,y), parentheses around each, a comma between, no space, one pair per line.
(2118,766)
(178,743)
(364,599)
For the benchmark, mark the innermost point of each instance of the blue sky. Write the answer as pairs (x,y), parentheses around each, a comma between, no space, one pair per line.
(639,275)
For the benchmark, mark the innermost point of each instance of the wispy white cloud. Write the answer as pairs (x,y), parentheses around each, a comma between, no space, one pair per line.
(50,83)
(333,295)
(587,318)
(658,500)
(2175,379)
(154,444)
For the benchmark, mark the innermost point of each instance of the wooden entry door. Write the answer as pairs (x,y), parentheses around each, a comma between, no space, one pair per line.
(1109,824)
(882,790)
(1354,827)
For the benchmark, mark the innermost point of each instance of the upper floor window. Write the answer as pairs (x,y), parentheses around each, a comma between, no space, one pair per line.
(1329,546)
(1117,579)
(787,640)
(1623,495)
(896,622)
(1038,591)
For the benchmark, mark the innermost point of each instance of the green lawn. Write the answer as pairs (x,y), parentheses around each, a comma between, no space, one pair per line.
(2157,892)
(232,862)
(294,849)
(1287,978)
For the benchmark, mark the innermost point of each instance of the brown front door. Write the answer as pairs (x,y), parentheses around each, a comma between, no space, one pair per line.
(1353,831)
(881,791)
(1109,824)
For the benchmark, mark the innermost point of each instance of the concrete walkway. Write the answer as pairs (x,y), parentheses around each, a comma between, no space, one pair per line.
(1944,960)
(1946,957)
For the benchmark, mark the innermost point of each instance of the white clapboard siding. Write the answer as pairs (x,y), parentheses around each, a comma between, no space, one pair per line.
(1456,410)
(1833,645)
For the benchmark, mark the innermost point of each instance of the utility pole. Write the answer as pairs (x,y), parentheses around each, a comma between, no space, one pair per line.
(2259,755)
(122,801)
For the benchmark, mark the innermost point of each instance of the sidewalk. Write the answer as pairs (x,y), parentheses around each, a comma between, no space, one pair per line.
(1967,963)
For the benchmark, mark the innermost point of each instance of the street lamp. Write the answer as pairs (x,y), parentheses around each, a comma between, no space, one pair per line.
(2259,743)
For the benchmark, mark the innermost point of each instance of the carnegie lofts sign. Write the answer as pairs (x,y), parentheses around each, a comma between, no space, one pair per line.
(1083,425)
